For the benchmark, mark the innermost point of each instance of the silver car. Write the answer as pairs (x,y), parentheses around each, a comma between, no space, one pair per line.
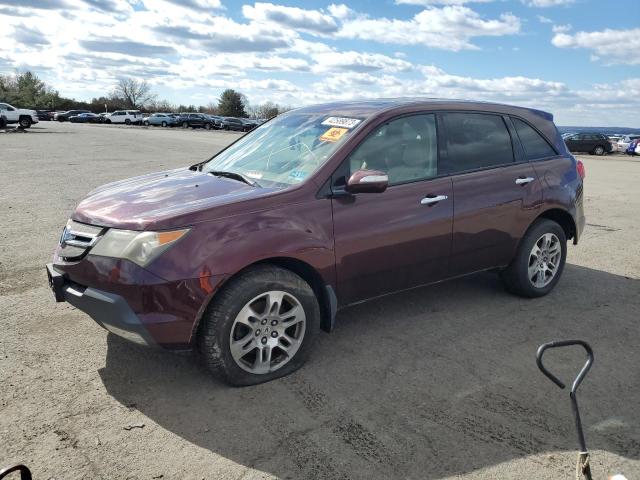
(161,119)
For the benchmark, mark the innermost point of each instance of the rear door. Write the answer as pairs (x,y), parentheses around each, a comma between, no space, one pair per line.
(497,193)
(399,238)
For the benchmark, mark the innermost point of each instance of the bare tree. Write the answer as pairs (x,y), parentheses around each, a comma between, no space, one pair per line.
(133,92)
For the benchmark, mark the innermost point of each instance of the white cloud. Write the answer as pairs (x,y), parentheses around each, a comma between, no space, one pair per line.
(547,3)
(543,19)
(340,11)
(426,3)
(313,21)
(611,46)
(447,28)
(358,62)
(561,28)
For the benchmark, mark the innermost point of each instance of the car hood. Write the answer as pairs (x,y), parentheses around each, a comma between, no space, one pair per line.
(162,200)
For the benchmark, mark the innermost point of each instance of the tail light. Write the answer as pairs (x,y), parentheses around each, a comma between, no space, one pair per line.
(580,169)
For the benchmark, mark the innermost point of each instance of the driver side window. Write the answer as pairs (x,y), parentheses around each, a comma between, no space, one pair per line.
(406,149)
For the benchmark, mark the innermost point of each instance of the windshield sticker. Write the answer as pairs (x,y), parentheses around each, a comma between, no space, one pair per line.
(341,122)
(333,134)
(257,175)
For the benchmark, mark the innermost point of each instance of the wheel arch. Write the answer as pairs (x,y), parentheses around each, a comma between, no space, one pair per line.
(325,293)
(562,218)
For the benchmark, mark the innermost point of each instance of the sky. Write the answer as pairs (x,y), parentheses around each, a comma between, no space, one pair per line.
(578,59)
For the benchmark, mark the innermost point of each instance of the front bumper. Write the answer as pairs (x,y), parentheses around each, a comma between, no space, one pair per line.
(110,311)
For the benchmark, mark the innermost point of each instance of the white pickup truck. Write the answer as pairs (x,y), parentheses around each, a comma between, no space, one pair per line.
(24,118)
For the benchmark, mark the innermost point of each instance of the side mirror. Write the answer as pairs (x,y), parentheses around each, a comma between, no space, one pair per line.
(367,181)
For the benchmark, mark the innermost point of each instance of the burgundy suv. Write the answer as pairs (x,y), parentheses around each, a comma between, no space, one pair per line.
(248,255)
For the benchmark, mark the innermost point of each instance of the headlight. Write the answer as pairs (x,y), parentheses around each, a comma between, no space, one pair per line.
(139,247)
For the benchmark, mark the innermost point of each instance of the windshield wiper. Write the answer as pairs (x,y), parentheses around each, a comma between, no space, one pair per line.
(235,176)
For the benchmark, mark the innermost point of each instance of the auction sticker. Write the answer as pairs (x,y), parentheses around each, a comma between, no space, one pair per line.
(333,134)
(341,122)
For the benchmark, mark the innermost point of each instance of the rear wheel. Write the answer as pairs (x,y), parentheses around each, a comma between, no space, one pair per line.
(146,123)
(185,125)
(259,327)
(599,150)
(24,122)
(539,262)
(164,124)
(127,122)
(207,126)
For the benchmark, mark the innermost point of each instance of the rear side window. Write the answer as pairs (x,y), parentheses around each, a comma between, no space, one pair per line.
(406,149)
(535,146)
(476,140)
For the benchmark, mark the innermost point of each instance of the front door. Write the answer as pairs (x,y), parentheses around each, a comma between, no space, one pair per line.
(496,197)
(400,238)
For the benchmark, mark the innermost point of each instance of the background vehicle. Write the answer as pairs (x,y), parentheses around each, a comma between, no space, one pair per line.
(624,142)
(86,118)
(232,123)
(127,117)
(216,120)
(633,146)
(23,117)
(160,119)
(45,115)
(249,124)
(594,143)
(320,208)
(196,120)
(64,116)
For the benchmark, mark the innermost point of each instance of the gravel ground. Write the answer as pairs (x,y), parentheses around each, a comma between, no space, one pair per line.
(435,383)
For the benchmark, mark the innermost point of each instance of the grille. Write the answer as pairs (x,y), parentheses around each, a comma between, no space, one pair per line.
(77,239)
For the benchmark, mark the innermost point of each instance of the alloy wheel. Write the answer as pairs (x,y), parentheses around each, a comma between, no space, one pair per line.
(544,260)
(267,332)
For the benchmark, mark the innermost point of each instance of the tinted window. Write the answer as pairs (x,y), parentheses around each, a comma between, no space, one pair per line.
(406,149)
(476,140)
(535,146)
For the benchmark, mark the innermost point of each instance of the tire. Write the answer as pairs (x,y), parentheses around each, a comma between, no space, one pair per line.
(127,121)
(24,122)
(516,277)
(146,124)
(164,124)
(207,126)
(599,150)
(185,124)
(3,122)
(220,322)
(107,121)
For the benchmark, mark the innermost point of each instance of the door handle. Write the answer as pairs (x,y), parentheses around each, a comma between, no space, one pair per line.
(432,200)
(524,181)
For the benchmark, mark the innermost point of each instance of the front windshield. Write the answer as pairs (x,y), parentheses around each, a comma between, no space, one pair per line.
(286,150)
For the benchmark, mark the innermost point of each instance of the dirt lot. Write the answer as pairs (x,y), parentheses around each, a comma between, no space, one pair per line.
(435,383)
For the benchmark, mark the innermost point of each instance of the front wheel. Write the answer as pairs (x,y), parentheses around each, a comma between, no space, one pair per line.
(599,150)
(24,122)
(127,122)
(539,262)
(164,124)
(146,123)
(259,327)
(185,125)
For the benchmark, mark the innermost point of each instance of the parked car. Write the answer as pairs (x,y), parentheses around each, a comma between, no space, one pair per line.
(594,143)
(216,120)
(160,119)
(249,124)
(45,115)
(246,256)
(233,123)
(632,149)
(196,120)
(623,143)
(128,117)
(86,118)
(64,116)
(23,117)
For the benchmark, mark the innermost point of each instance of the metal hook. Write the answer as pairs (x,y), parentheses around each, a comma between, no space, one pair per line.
(584,455)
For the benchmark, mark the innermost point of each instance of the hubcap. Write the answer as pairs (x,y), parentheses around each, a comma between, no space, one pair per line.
(267,332)
(544,260)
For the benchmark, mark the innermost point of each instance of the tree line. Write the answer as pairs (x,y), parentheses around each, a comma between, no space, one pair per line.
(26,90)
